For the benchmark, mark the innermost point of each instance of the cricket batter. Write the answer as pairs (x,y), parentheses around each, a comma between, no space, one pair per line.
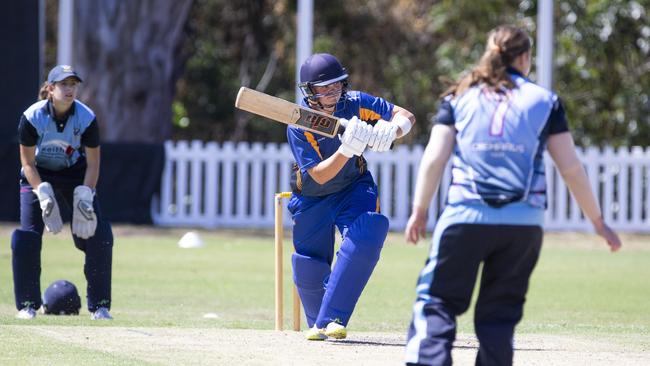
(332,189)
(496,123)
(59,153)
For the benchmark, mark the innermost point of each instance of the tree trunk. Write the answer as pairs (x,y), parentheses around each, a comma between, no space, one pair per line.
(129,56)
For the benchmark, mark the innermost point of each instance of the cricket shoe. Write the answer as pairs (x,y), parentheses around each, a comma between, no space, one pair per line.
(101,314)
(26,313)
(336,330)
(315,334)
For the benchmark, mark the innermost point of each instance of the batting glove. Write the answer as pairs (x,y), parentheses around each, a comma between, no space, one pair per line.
(383,135)
(49,207)
(355,138)
(84,220)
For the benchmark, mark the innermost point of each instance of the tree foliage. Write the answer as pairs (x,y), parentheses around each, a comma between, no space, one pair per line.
(603,70)
(408,52)
(234,43)
(128,52)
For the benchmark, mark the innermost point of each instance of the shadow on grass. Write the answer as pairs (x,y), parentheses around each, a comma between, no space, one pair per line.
(349,342)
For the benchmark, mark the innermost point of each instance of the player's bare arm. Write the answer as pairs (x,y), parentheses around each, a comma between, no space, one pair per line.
(434,160)
(327,169)
(28,162)
(562,150)
(92,170)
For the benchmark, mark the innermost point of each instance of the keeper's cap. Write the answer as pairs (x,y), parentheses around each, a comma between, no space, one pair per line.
(61,72)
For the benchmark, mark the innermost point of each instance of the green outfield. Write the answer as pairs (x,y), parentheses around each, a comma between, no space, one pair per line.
(578,289)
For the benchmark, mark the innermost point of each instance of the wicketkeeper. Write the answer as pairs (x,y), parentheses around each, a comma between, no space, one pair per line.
(59,153)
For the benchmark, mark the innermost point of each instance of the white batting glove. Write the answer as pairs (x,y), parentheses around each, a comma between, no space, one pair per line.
(84,220)
(355,138)
(49,207)
(383,135)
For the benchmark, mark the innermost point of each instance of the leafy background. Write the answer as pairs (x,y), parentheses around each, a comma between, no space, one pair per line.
(407,52)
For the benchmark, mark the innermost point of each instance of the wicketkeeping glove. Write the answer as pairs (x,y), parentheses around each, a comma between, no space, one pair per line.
(84,220)
(383,135)
(355,138)
(49,207)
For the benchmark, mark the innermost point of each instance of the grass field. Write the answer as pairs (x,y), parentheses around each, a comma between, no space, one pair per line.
(579,290)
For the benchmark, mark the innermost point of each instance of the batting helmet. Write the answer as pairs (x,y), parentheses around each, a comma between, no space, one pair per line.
(61,298)
(321,69)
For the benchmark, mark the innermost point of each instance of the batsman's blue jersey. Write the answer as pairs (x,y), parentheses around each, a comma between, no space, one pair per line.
(310,149)
(500,141)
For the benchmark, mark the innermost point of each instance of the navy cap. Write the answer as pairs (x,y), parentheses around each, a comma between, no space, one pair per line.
(61,298)
(60,72)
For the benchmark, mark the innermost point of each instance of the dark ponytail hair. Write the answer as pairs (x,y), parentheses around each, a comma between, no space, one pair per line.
(504,44)
(44,92)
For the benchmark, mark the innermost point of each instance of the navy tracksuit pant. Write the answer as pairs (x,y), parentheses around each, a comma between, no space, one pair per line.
(509,254)
(26,243)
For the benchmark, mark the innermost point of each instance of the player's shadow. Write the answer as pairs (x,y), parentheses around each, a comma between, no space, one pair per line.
(350,342)
(472,343)
(520,348)
(530,349)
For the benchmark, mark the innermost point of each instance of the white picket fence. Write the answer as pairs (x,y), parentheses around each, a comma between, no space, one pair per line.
(232,186)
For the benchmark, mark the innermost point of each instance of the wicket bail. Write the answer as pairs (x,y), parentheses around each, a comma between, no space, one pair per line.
(279,232)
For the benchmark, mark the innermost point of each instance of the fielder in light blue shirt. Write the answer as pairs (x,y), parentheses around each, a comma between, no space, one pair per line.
(495,124)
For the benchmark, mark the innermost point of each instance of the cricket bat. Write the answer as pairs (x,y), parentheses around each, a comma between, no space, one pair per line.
(283,111)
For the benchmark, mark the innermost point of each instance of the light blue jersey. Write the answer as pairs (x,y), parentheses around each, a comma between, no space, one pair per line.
(58,147)
(500,140)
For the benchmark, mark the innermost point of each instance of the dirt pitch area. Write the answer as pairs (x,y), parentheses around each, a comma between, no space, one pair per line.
(178,346)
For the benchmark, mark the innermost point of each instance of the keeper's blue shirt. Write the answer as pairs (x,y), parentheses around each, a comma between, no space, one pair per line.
(59,142)
(500,141)
(310,149)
